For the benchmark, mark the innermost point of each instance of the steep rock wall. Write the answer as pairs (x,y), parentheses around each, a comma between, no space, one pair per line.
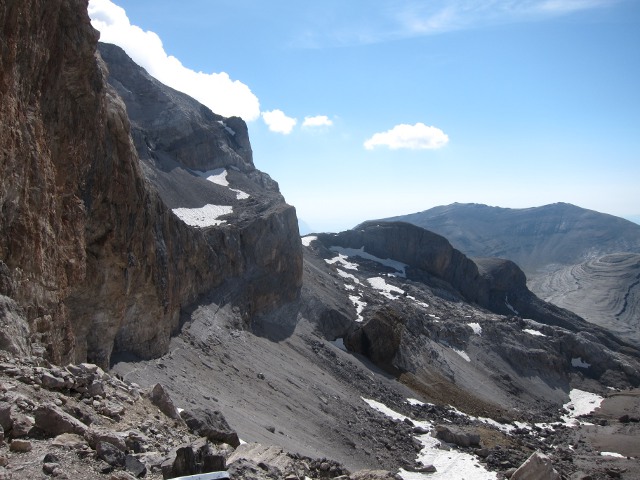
(94,260)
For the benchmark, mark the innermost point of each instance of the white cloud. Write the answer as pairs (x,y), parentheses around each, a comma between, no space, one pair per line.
(278,122)
(411,137)
(317,121)
(217,91)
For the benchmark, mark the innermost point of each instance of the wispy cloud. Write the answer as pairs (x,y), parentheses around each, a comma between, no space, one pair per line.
(410,137)
(278,122)
(217,91)
(424,18)
(381,22)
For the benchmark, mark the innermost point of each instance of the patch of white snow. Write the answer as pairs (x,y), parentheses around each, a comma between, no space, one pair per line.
(612,454)
(219,177)
(384,288)
(359,252)
(533,332)
(348,276)
(579,363)
(462,353)
(342,260)
(359,304)
(306,241)
(206,216)
(580,403)
(477,329)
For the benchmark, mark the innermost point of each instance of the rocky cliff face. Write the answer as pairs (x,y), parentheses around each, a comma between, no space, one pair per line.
(92,259)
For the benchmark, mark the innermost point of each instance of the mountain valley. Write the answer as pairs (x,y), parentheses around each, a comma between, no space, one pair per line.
(162,316)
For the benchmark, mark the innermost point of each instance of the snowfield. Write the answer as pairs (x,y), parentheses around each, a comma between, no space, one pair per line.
(207,216)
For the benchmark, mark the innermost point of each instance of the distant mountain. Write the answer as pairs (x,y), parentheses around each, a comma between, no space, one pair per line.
(534,238)
(581,260)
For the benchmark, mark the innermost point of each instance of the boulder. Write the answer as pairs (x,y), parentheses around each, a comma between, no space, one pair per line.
(160,397)
(537,467)
(110,454)
(53,421)
(194,458)
(272,456)
(210,424)
(95,436)
(451,434)
(135,466)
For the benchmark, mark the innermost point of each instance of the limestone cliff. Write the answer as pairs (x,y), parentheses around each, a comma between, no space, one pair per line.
(92,259)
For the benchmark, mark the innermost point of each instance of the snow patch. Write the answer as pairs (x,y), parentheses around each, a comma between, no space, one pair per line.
(219,177)
(580,403)
(348,276)
(306,241)
(413,401)
(359,252)
(462,353)
(477,329)
(359,304)
(342,260)
(612,454)
(207,216)
(578,363)
(533,332)
(240,195)
(384,288)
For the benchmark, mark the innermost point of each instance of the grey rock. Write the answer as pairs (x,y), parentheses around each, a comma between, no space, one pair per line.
(194,458)
(20,445)
(160,398)
(111,454)
(97,435)
(270,455)
(53,421)
(135,466)
(451,434)
(537,467)
(210,424)
(51,382)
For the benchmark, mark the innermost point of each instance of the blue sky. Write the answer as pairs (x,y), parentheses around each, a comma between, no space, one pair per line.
(403,105)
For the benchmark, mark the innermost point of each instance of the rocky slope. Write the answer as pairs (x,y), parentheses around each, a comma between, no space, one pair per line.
(135,232)
(373,328)
(92,260)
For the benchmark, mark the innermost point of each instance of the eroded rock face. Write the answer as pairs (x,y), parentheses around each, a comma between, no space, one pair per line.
(92,256)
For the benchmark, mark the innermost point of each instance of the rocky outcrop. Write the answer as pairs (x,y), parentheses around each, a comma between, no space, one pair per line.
(495,284)
(92,256)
